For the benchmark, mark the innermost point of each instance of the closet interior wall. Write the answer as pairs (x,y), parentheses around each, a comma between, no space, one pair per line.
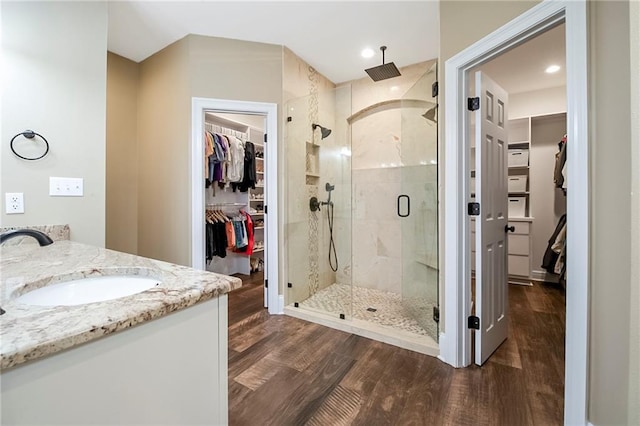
(548,202)
(229,202)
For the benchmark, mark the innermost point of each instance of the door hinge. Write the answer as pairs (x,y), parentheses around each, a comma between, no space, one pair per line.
(266,283)
(474,209)
(265,209)
(265,138)
(289,285)
(473,104)
(434,89)
(436,314)
(473,322)
(289,119)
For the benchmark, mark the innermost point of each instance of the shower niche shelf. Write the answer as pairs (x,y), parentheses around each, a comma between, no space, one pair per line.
(312,167)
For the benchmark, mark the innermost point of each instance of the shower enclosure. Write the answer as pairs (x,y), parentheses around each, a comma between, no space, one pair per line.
(376,268)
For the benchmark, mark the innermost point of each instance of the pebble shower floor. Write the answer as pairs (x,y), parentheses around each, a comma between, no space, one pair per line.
(390,311)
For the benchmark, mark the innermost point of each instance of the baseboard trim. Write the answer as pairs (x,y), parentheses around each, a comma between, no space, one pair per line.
(544,276)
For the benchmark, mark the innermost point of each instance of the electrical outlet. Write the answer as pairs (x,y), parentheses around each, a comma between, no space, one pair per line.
(14,202)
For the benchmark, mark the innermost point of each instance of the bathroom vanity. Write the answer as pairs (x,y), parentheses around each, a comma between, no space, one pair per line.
(155,357)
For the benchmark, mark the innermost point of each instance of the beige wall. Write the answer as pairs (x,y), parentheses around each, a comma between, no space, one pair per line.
(611,187)
(611,213)
(223,68)
(164,137)
(634,308)
(195,66)
(122,154)
(54,83)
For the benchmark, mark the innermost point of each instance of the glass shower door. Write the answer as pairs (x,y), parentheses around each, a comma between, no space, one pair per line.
(318,234)
(418,203)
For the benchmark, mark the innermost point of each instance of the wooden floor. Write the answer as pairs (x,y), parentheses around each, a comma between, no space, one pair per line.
(285,371)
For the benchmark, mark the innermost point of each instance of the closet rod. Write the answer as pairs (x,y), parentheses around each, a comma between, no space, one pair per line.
(226,205)
(214,128)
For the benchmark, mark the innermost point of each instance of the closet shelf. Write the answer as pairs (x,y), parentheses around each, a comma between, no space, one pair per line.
(258,250)
(313,174)
(258,227)
(258,158)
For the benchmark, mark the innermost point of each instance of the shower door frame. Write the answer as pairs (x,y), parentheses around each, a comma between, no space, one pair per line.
(270,110)
(455,343)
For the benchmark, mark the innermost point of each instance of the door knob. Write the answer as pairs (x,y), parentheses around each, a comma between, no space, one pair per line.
(508,228)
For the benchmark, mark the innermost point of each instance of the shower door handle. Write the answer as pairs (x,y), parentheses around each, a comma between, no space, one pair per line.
(408,205)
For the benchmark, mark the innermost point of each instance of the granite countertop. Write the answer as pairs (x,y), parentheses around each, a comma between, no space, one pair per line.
(30,332)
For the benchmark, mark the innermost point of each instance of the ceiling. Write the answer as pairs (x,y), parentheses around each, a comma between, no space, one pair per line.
(329,35)
(522,69)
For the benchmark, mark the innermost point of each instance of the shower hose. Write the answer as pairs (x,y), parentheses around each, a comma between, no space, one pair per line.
(332,244)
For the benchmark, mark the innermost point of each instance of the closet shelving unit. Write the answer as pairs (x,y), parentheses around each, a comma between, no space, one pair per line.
(252,201)
(257,195)
(519,244)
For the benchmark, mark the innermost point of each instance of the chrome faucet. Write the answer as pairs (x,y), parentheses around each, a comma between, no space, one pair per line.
(43,239)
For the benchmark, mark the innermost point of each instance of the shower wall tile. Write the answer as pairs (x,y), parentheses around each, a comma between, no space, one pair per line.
(298,254)
(381,273)
(377,140)
(389,239)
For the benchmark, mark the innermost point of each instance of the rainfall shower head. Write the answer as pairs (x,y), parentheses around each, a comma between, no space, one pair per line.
(323,130)
(384,71)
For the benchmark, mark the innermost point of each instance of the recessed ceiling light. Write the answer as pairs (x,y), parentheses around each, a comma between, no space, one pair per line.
(552,68)
(394,88)
(367,53)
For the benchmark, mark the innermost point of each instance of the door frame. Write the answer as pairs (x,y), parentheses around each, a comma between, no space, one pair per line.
(455,342)
(198,108)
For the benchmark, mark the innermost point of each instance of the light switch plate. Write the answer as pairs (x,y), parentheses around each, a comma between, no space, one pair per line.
(14,202)
(66,187)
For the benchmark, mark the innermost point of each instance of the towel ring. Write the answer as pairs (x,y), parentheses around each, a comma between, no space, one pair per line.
(29,134)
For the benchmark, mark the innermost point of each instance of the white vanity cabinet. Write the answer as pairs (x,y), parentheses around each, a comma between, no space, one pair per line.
(171,370)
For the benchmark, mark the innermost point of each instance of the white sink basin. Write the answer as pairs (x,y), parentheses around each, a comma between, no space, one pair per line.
(88,290)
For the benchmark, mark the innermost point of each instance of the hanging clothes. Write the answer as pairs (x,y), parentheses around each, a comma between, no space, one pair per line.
(550,255)
(561,159)
(231,235)
(235,170)
(208,151)
(249,176)
(215,235)
(250,236)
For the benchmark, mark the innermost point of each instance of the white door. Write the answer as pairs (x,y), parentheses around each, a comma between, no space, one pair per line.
(491,236)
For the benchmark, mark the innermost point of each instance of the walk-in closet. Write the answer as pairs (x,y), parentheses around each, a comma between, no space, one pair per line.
(235,194)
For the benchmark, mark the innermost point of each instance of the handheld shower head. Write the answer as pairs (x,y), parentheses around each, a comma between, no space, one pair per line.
(324,132)
(328,187)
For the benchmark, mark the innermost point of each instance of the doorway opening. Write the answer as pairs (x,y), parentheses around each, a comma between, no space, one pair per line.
(456,341)
(234,193)
(519,299)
